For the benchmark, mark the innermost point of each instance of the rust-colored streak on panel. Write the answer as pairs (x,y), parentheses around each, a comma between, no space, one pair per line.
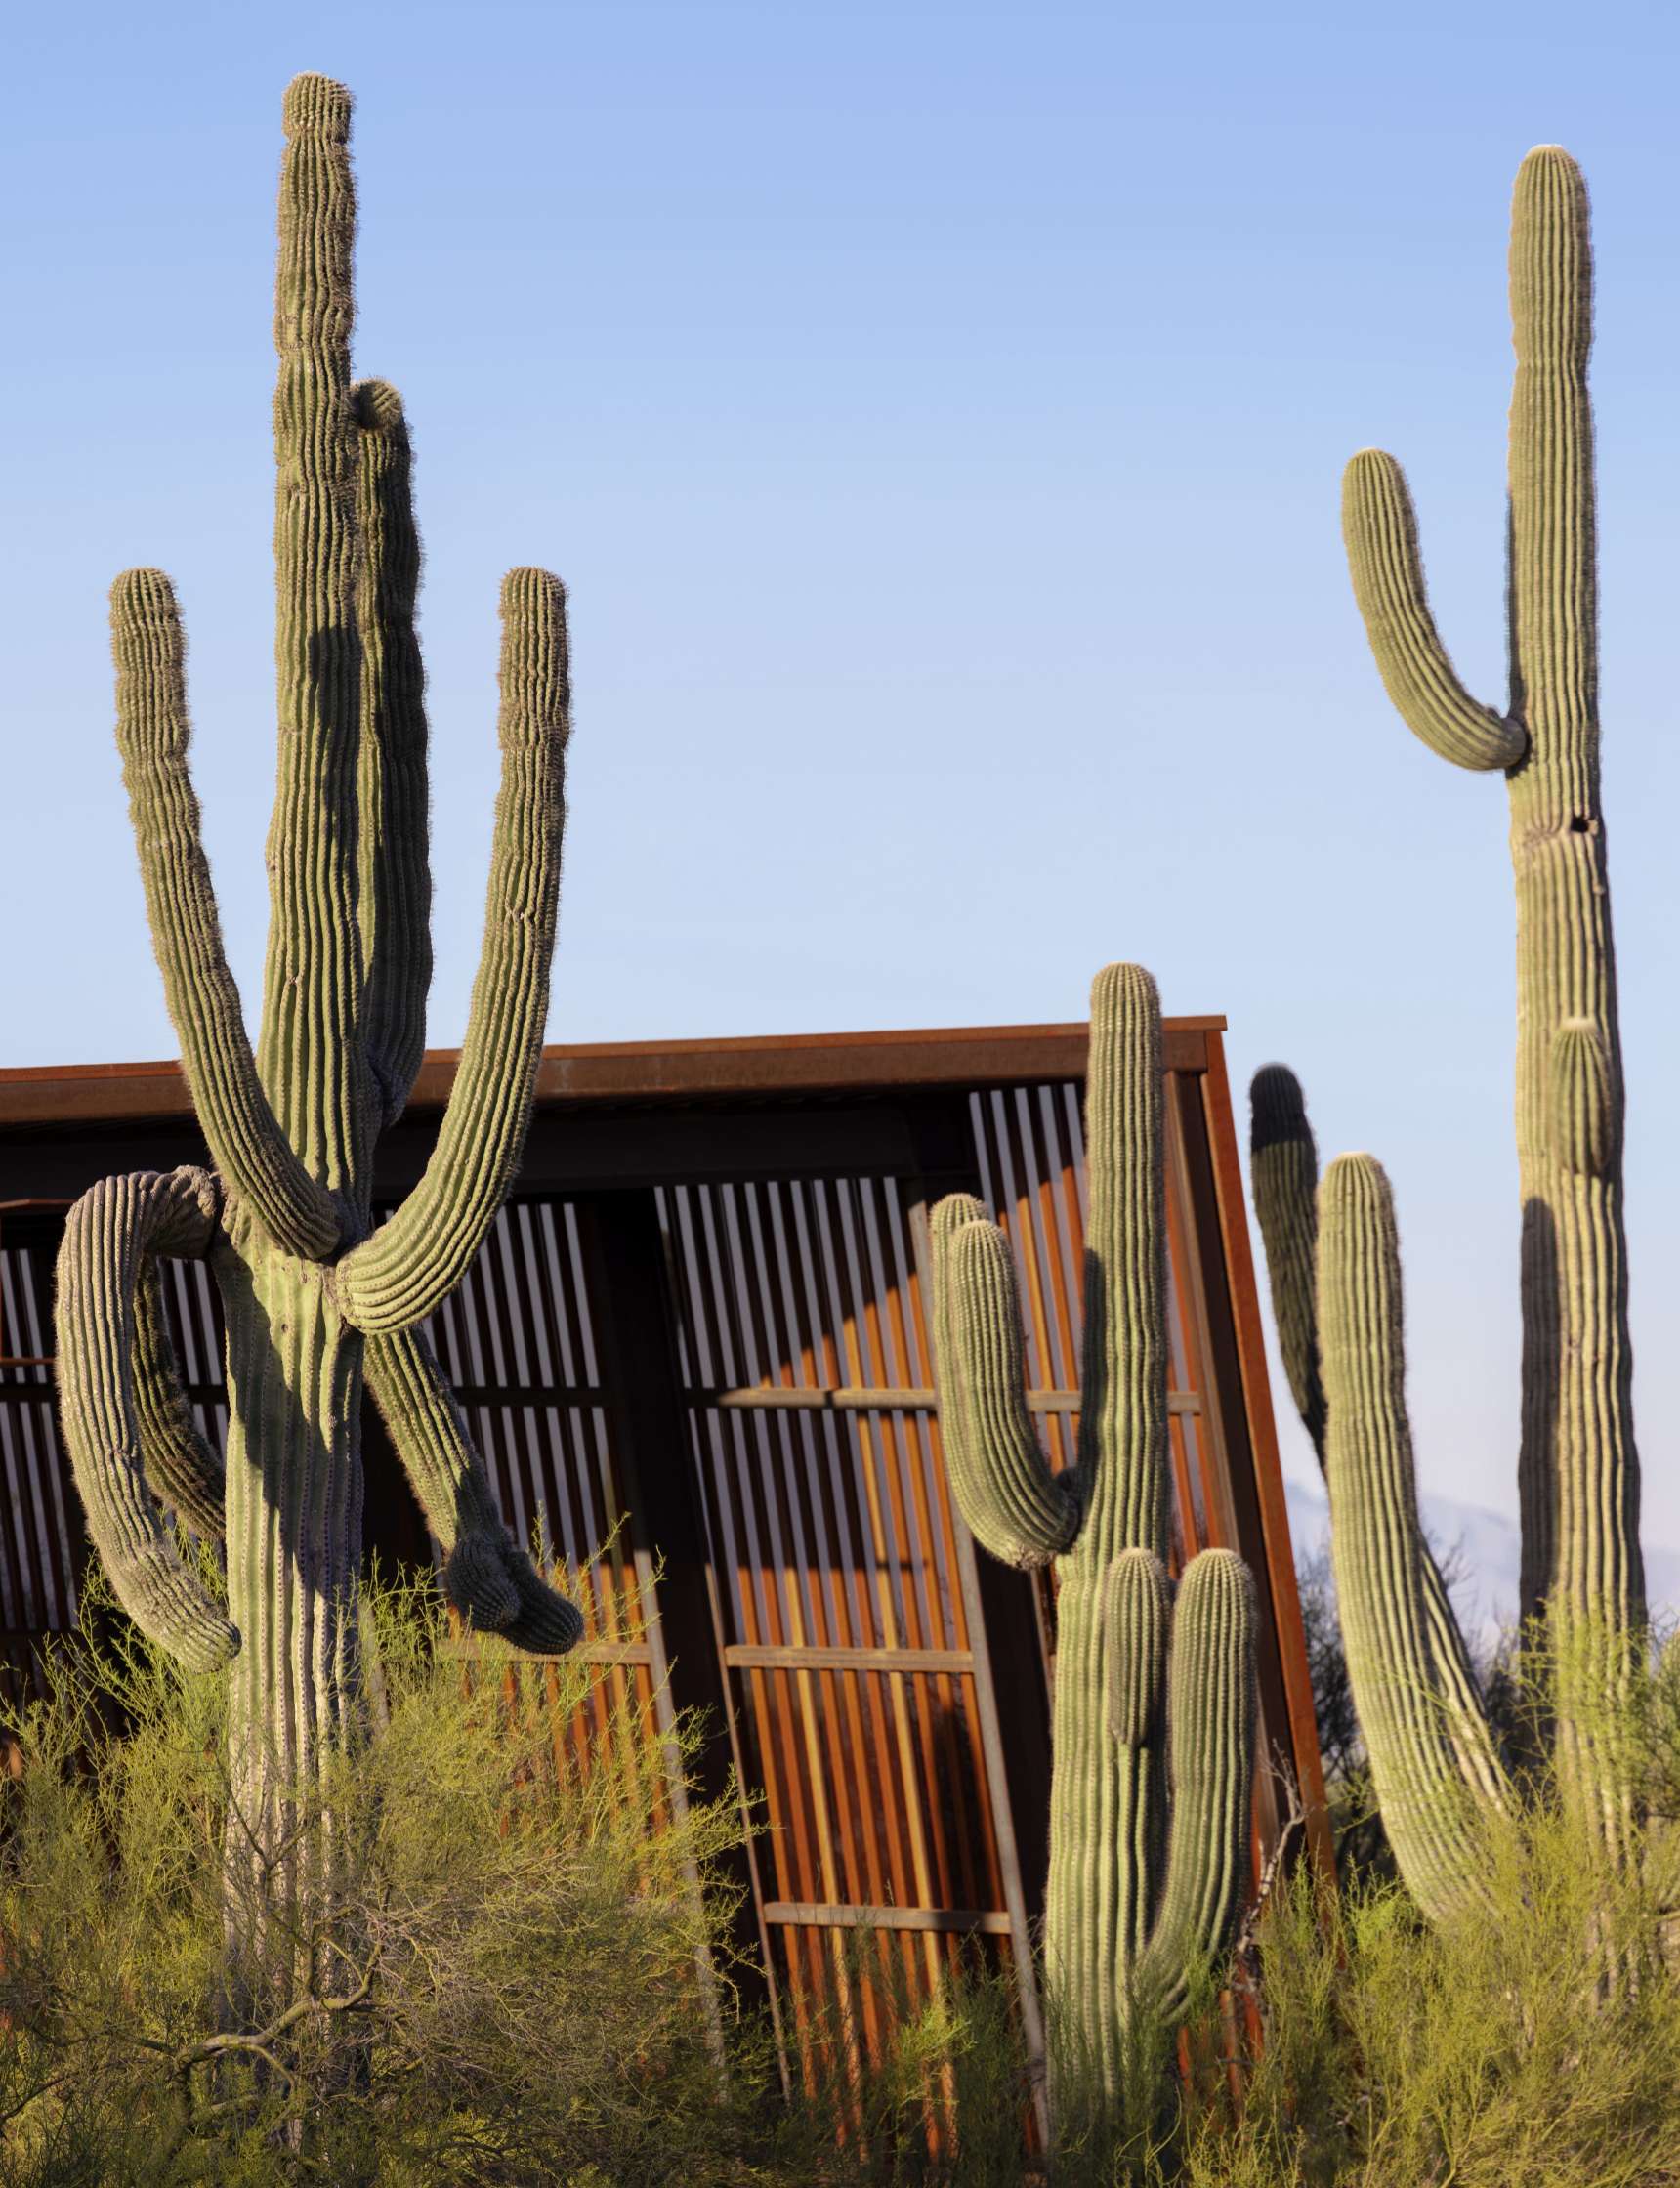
(887,1532)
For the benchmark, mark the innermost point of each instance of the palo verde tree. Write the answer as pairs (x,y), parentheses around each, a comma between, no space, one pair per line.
(1155,1696)
(315,1299)
(1334,1263)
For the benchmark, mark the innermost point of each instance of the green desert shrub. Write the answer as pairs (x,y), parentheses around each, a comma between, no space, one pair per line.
(1537,2047)
(502,1976)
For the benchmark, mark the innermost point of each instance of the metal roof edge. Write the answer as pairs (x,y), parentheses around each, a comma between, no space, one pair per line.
(749,1067)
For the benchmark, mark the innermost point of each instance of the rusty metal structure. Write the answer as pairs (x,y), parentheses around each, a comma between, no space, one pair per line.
(694,1351)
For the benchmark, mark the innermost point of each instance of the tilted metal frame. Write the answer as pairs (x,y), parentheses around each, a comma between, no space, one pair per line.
(719,1248)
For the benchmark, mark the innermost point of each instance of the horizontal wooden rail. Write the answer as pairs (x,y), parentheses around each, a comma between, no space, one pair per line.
(745,1397)
(861,1398)
(755,1655)
(808,1913)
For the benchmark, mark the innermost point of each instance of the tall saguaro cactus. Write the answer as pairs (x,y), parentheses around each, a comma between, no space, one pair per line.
(313,1298)
(1155,1700)
(1578,1469)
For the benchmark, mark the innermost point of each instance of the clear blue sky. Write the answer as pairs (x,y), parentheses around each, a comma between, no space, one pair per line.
(936,412)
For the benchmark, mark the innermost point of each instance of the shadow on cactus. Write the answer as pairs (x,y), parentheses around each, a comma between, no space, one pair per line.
(313,1300)
(1332,1248)
(1155,1697)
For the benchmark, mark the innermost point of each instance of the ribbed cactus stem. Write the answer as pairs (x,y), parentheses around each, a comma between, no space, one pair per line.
(393,879)
(1138,1611)
(1124,1418)
(1284,1167)
(1430,1779)
(1578,1467)
(292,1125)
(488,1578)
(1210,1706)
(185,1476)
(1145,1875)
(1283,1177)
(111,1234)
(152,734)
(412,1263)
(313,1060)
(1018,1509)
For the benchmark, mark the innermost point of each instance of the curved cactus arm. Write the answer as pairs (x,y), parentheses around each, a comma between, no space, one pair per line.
(152,734)
(1210,1721)
(488,1578)
(1380,529)
(185,1474)
(1014,1505)
(108,1235)
(1284,1171)
(311,1057)
(394,897)
(1436,1772)
(410,1266)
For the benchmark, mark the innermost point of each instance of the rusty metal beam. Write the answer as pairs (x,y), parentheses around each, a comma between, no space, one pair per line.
(58,1095)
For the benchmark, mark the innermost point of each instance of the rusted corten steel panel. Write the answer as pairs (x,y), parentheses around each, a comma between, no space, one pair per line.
(695,1352)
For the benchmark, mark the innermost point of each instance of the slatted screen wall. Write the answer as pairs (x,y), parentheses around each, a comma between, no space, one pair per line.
(849,1619)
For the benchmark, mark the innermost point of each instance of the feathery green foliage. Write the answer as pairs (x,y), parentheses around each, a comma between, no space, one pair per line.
(1474,2055)
(313,1298)
(1146,1876)
(1335,1268)
(514,1946)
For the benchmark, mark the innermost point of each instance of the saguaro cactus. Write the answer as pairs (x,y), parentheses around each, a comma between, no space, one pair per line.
(1153,1715)
(313,1298)
(1578,1470)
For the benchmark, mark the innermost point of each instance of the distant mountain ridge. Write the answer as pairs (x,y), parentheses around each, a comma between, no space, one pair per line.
(1485,1547)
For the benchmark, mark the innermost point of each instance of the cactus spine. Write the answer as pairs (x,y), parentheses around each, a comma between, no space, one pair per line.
(313,1300)
(1578,1469)
(1153,1744)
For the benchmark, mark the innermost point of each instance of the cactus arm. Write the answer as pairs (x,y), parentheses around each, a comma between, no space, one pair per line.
(393,895)
(1283,1169)
(1210,1717)
(1380,529)
(181,1469)
(109,1233)
(1014,1505)
(1137,1613)
(412,1263)
(152,734)
(1283,1177)
(311,1059)
(489,1579)
(1433,1805)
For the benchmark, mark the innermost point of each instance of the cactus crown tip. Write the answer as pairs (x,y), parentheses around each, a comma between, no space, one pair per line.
(1355,1181)
(139,596)
(1122,981)
(377,406)
(1278,1108)
(317,106)
(529,590)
